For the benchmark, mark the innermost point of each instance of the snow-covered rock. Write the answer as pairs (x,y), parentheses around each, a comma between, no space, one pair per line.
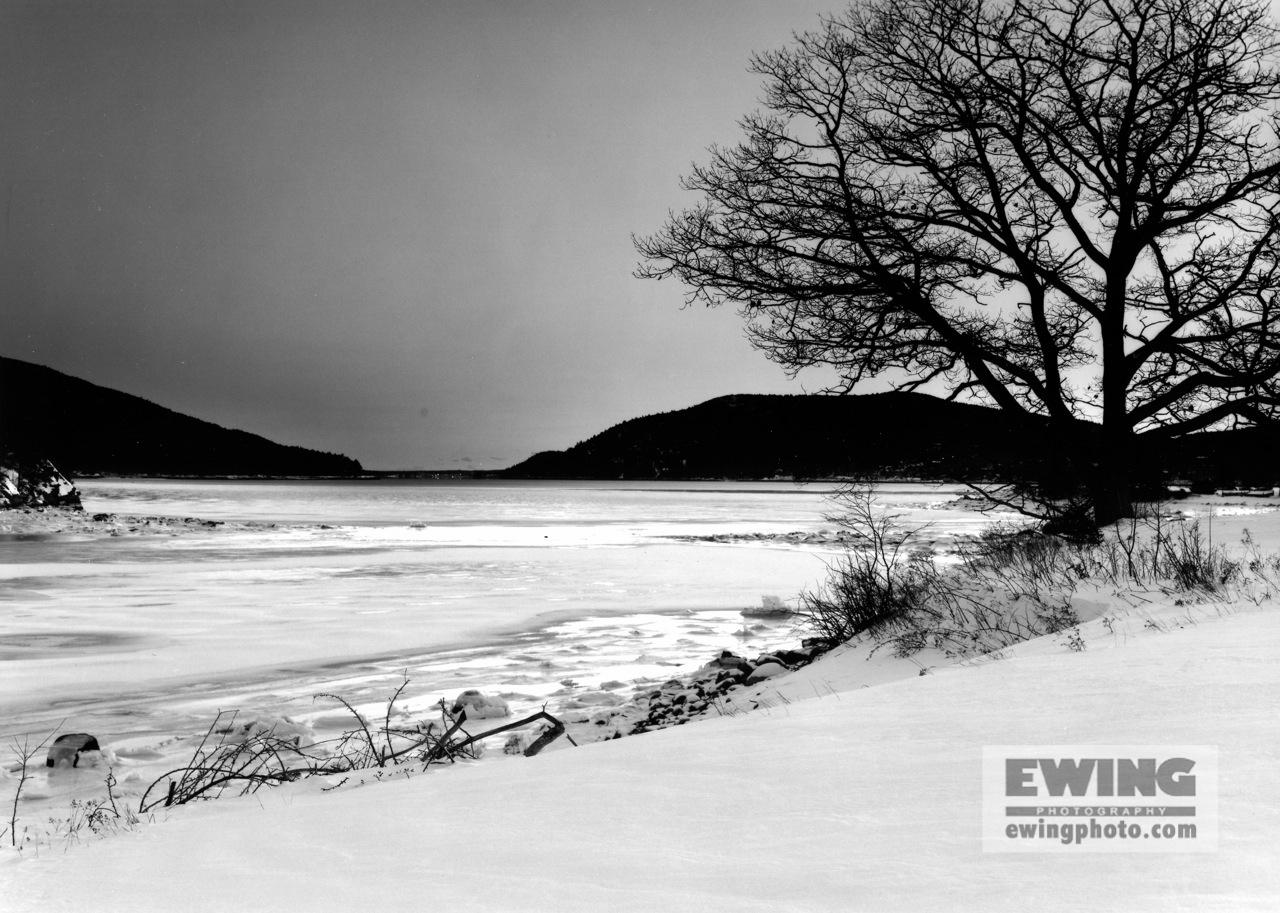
(480,706)
(770,607)
(765,670)
(729,660)
(34,483)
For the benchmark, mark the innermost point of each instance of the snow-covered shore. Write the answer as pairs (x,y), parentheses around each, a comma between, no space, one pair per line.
(840,797)
(854,783)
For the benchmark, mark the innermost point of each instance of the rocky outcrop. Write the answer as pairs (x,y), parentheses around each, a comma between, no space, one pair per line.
(34,483)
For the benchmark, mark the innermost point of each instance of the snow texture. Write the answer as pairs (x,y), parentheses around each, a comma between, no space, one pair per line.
(852,783)
(851,800)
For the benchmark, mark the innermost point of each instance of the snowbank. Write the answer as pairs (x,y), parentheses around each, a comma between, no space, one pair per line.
(838,797)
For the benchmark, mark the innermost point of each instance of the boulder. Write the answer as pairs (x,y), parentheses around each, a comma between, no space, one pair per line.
(766,670)
(793,657)
(67,749)
(729,660)
(480,706)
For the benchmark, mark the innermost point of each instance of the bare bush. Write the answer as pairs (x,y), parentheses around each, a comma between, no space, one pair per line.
(263,759)
(25,753)
(102,817)
(1012,583)
(888,588)
(878,586)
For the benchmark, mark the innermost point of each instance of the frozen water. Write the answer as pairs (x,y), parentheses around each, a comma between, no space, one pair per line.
(346,588)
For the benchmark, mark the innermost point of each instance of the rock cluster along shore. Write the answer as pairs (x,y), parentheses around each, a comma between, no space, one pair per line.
(798,536)
(46,520)
(677,702)
(605,714)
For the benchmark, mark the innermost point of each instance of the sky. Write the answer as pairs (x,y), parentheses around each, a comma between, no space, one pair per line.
(396,230)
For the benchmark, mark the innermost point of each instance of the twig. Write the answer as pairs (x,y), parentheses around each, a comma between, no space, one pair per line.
(359,719)
(386,721)
(25,753)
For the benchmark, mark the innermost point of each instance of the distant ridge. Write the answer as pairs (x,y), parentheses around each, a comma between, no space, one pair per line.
(756,436)
(879,435)
(84,429)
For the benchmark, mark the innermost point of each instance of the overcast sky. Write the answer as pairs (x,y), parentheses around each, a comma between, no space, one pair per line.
(396,230)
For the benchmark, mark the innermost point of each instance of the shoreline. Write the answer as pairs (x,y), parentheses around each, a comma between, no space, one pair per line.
(650,681)
(33,521)
(655,699)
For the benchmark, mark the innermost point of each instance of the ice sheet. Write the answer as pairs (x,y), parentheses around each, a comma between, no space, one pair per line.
(142,639)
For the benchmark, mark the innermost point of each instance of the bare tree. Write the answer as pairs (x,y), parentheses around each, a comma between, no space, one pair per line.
(1066,209)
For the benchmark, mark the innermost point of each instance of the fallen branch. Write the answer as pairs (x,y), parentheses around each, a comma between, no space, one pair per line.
(556,730)
(443,745)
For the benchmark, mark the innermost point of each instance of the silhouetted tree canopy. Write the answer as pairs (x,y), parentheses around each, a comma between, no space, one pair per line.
(1065,209)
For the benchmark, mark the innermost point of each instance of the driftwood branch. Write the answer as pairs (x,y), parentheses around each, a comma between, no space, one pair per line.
(547,737)
(556,730)
(444,746)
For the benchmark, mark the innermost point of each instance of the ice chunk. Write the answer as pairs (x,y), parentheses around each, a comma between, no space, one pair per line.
(770,607)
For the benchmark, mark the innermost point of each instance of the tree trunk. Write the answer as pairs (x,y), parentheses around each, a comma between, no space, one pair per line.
(1112,497)
(1111,485)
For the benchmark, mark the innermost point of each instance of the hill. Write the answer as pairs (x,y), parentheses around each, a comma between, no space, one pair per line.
(805,436)
(883,435)
(86,429)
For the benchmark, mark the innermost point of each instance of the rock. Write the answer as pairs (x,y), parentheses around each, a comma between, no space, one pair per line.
(605,716)
(732,677)
(36,482)
(67,749)
(766,670)
(730,661)
(480,706)
(793,657)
